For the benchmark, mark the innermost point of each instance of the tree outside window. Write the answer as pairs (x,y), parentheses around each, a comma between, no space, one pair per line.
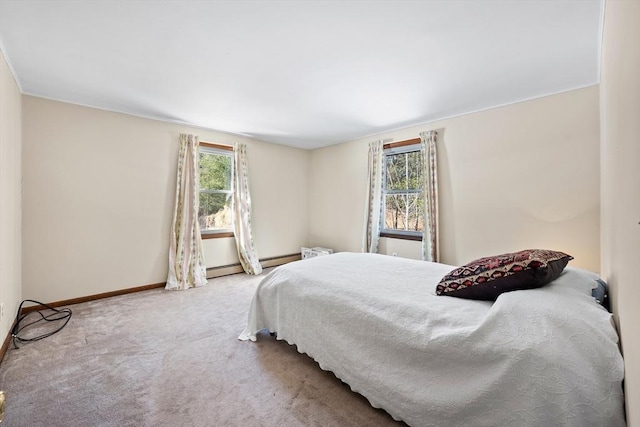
(216,193)
(403,202)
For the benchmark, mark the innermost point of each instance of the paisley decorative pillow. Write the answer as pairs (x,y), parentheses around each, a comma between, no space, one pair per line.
(488,277)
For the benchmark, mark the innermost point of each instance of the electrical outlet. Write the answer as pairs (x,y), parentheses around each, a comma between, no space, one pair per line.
(394,254)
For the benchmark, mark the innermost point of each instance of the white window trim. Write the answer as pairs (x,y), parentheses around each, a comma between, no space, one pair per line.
(391,231)
(220,152)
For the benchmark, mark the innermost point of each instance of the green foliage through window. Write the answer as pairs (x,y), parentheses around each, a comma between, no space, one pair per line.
(216,171)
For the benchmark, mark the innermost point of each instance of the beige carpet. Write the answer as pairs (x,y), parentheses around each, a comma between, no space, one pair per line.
(172,358)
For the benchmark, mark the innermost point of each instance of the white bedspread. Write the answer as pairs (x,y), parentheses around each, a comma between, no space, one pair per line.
(542,357)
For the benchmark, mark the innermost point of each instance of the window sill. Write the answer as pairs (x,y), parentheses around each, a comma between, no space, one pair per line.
(216,235)
(402,236)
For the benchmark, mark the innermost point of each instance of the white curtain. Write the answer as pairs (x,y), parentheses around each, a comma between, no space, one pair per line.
(186,259)
(430,243)
(242,212)
(374,198)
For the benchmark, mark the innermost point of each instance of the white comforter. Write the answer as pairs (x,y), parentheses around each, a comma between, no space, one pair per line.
(541,357)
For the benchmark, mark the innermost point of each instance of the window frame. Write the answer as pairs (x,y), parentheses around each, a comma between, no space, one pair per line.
(390,149)
(221,150)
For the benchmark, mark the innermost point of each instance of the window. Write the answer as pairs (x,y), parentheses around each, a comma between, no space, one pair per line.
(402,199)
(215,214)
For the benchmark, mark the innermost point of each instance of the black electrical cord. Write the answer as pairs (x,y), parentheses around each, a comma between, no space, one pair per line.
(64,314)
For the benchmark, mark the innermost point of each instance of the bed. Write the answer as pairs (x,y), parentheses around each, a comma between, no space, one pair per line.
(538,357)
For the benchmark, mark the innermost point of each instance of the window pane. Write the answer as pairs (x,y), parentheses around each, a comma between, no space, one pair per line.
(395,211)
(403,171)
(404,212)
(415,220)
(215,171)
(414,160)
(396,178)
(215,212)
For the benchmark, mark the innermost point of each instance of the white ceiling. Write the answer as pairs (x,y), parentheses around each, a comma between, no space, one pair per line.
(301,73)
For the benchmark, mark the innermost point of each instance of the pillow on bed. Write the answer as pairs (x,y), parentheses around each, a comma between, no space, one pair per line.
(486,278)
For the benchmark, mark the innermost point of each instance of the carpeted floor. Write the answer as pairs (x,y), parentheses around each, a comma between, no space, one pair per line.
(172,358)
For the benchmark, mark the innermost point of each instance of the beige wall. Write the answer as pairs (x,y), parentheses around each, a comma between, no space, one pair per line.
(620,121)
(514,177)
(98,194)
(10,197)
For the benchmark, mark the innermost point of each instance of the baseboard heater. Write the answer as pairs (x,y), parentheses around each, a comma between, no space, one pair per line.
(225,270)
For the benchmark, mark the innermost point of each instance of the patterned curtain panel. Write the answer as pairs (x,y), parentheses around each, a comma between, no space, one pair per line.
(242,212)
(186,259)
(374,198)
(430,249)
